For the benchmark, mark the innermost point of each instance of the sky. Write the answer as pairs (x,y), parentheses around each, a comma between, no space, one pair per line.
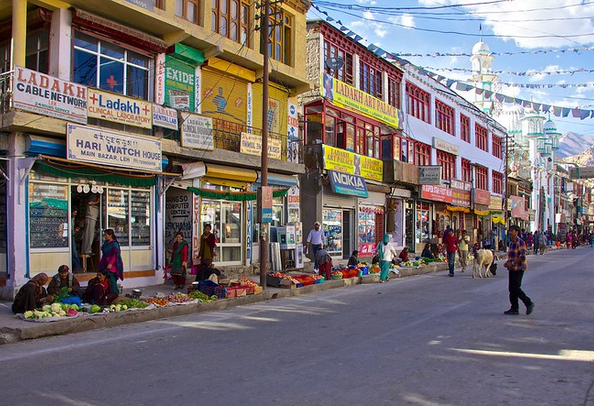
(541,35)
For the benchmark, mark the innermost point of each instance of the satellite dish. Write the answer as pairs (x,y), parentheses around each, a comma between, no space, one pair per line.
(334,63)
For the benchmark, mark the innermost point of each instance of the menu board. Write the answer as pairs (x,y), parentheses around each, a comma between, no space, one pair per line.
(48,216)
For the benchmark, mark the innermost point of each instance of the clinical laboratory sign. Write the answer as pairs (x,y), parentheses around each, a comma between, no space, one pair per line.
(110,148)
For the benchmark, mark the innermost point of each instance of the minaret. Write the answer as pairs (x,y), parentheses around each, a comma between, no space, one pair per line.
(482,75)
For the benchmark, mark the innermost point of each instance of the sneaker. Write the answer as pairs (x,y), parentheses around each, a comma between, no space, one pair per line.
(530,308)
(511,312)
(451,275)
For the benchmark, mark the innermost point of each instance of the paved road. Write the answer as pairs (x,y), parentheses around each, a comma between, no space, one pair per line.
(423,340)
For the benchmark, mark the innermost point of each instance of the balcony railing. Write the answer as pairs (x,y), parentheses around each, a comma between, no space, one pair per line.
(5,91)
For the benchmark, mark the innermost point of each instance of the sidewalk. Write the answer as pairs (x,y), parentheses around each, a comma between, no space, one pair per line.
(13,329)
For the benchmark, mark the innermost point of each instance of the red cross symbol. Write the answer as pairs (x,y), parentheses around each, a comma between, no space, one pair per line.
(111,82)
(93,98)
(146,109)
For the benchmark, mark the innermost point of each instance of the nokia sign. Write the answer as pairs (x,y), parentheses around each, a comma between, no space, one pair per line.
(348,184)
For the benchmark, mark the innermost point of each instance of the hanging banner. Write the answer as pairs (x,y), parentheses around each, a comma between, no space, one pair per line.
(105,147)
(196,131)
(340,160)
(342,95)
(49,96)
(120,109)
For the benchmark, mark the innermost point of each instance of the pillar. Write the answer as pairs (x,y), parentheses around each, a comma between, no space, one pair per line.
(19,33)
(60,44)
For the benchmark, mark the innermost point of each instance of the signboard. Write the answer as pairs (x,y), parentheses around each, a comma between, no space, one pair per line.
(461,197)
(293,133)
(496,203)
(180,84)
(251,144)
(265,204)
(342,95)
(445,146)
(581,173)
(340,160)
(482,197)
(437,193)
(348,184)
(178,211)
(430,175)
(196,131)
(49,96)
(460,184)
(145,4)
(366,249)
(120,109)
(105,147)
(165,117)
(518,209)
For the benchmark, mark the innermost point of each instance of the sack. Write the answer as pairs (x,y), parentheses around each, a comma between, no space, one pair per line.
(214,278)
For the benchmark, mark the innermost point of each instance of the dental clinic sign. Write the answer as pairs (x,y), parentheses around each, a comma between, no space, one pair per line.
(110,148)
(347,184)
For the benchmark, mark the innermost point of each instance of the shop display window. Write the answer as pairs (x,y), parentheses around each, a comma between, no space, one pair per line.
(422,223)
(140,218)
(117,215)
(367,232)
(333,227)
(48,216)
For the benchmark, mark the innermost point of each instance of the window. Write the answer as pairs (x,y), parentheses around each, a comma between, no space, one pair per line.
(497,182)
(497,152)
(417,102)
(444,117)
(101,64)
(422,154)
(465,128)
(345,73)
(448,165)
(37,53)
(5,57)
(466,171)
(280,46)
(187,9)
(226,219)
(346,131)
(371,80)
(482,181)
(48,215)
(230,18)
(481,136)
(394,91)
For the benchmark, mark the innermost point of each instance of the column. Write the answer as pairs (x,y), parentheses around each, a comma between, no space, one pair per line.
(19,33)
(60,44)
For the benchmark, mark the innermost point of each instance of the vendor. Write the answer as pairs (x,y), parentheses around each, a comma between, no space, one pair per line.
(354,259)
(324,261)
(427,252)
(404,255)
(100,290)
(64,279)
(210,270)
(32,295)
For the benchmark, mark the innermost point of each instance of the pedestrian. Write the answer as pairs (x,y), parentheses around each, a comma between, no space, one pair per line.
(354,259)
(386,254)
(206,249)
(463,249)
(179,261)
(91,216)
(542,243)
(324,261)
(111,259)
(536,239)
(516,265)
(316,240)
(451,242)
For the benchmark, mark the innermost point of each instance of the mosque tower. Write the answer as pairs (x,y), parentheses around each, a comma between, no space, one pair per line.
(483,76)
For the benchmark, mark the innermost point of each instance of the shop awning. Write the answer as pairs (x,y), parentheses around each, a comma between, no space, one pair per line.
(457,208)
(231,173)
(233,196)
(276,179)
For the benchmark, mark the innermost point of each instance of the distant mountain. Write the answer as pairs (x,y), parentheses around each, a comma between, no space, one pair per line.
(584,159)
(574,144)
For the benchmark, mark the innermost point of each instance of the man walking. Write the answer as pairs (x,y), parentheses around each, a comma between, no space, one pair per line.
(316,240)
(516,265)
(451,243)
(463,249)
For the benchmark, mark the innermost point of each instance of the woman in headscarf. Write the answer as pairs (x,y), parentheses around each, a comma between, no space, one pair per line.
(64,279)
(101,290)
(386,254)
(179,261)
(206,249)
(111,259)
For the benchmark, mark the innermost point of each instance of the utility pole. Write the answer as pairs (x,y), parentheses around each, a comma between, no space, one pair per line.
(265,34)
(506,190)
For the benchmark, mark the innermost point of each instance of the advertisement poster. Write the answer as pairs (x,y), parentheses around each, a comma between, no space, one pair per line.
(178,210)
(180,84)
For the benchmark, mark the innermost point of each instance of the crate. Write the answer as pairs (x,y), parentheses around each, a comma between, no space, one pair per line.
(319,281)
(257,290)
(273,281)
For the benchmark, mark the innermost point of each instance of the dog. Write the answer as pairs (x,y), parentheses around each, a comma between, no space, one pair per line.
(483,259)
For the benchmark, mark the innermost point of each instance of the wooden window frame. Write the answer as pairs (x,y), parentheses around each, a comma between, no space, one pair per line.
(241,24)
(394,91)
(371,79)
(466,170)
(345,73)
(496,144)
(497,181)
(280,44)
(481,135)
(444,117)
(464,128)
(422,154)
(481,177)
(447,162)
(184,13)
(418,103)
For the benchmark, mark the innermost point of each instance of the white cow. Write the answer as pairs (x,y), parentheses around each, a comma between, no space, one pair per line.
(482,259)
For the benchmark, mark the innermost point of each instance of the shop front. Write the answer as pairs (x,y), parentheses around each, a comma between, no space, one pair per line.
(371,220)
(460,207)
(482,216)
(431,214)
(497,221)
(397,223)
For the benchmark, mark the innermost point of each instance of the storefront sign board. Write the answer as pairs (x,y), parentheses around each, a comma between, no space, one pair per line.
(482,197)
(265,204)
(196,131)
(340,160)
(179,205)
(518,209)
(251,144)
(445,146)
(120,109)
(496,203)
(436,193)
(460,184)
(49,96)
(165,117)
(349,97)
(366,249)
(461,197)
(180,84)
(110,148)
(348,184)
(293,133)
(430,175)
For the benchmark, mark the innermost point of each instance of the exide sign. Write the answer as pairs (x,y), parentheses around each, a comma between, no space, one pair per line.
(347,184)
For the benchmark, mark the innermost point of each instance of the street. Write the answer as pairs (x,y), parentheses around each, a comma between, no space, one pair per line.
(421,340)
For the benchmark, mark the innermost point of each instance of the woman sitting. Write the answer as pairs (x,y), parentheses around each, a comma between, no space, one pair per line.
(100,290)
(64,279)
(404,255)
(427,252)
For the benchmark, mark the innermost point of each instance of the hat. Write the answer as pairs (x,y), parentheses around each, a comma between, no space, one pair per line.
(317,223)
